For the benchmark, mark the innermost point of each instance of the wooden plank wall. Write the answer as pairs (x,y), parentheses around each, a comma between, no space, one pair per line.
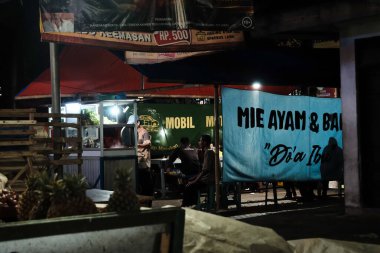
(28,142)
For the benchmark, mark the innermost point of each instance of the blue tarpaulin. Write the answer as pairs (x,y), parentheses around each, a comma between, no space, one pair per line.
(275,137)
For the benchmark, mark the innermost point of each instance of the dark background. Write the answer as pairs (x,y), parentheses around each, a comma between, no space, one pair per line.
(22,55)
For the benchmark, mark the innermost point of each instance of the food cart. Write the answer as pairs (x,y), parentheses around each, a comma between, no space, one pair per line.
(105,148)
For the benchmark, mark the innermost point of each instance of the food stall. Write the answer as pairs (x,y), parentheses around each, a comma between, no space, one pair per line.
(108,139)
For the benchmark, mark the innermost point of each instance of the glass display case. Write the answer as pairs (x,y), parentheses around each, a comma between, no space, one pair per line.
(116,133)
(108,139)
(90,126)
(105,125)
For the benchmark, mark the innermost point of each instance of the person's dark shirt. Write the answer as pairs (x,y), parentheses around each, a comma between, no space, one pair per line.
(208,167)
(332,162)
(189,160)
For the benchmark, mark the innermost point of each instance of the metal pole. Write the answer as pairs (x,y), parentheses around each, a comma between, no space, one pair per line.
(55,85)
(216,136)
(142,82)
(56,100)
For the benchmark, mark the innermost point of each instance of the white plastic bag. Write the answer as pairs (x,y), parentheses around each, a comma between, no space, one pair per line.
(3,181)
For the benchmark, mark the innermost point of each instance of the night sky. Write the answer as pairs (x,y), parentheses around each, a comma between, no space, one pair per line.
(23,56)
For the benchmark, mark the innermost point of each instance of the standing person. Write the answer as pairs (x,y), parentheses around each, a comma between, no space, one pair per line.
(205,177)
(331,164)
(290,189)
(306,189)
(143,173)
(188,155)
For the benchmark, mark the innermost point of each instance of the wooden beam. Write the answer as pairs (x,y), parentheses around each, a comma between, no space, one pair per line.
(7,123)
(16,143)
(16,112)
(15,154)
(17,132)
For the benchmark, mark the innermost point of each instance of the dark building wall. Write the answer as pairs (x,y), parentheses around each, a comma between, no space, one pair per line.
(368,80)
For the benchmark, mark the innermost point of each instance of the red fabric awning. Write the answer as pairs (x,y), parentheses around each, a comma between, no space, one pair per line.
(87,71)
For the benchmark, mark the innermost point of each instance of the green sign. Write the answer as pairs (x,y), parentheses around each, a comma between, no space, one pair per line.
(167,123)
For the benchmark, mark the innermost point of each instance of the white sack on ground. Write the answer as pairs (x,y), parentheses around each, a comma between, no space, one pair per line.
(320,245)
(3,181)
(205,232)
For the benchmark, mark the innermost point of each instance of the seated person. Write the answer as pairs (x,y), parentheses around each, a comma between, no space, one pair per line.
(189,158)
(203,178)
